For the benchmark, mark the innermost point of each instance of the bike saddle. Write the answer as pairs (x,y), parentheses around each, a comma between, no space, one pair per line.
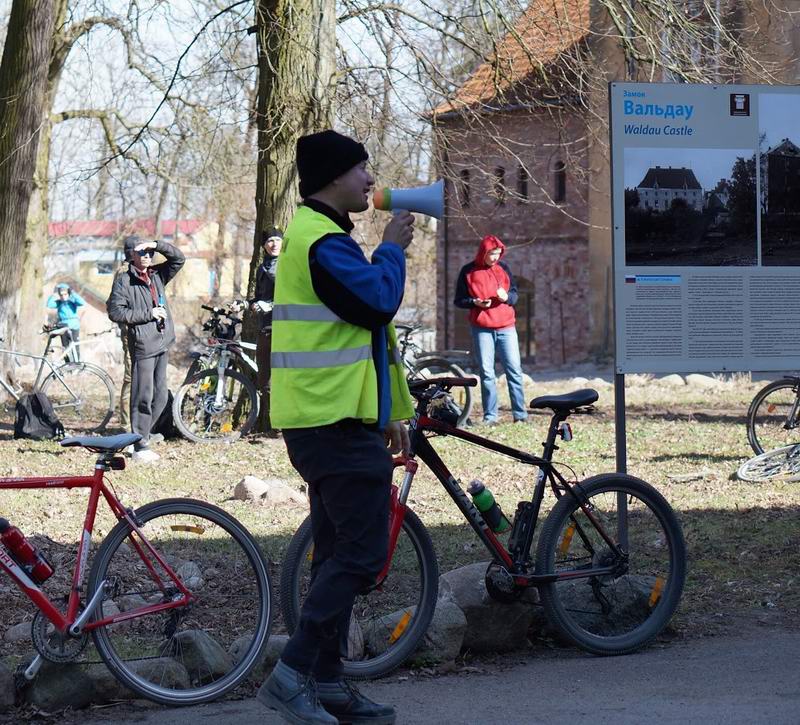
(109,444)
(566,402)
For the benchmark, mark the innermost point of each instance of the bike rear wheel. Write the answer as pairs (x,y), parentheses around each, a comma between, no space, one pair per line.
(435,367)
(624,610)
(774,415)
(782,463)
(191,654)
(200,418)
(388,622)
(82,396)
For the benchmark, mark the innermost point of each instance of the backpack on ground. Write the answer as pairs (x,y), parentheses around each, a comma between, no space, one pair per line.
(35,418)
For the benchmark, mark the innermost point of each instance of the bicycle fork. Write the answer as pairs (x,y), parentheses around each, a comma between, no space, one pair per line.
(397,510)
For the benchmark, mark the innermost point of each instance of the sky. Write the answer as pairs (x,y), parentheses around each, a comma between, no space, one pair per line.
(709,165)
(779,117)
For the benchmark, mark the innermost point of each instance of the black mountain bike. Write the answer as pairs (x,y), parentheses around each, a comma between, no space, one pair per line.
(609,564)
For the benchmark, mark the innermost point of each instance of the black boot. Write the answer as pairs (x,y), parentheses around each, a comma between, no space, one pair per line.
(294,696)
(345,702)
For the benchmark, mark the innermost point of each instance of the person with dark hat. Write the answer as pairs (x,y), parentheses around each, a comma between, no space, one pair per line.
(261,304)
(340,397)
(138,301)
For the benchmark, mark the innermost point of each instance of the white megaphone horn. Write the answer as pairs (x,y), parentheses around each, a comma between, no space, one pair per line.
(423,199)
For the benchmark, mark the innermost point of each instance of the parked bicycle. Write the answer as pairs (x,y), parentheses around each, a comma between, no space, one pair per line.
(773,415)
(178,597)
(217,400)
(422,365)
(609,565)
(82,394)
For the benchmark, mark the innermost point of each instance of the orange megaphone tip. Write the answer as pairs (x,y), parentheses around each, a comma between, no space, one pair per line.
(382,199)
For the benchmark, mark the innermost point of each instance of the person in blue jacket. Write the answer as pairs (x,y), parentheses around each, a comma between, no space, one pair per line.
(65,302)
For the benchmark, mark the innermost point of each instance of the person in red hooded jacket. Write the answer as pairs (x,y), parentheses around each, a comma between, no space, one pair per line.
(486,288)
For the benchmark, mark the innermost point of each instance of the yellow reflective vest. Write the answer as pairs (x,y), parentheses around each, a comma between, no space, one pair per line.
(322,367)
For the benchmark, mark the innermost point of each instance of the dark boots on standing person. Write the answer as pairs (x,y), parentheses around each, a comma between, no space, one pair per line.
(299,699)
(294,695)
(348,705)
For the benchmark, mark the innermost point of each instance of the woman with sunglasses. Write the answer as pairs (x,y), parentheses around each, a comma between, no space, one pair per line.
(138,302)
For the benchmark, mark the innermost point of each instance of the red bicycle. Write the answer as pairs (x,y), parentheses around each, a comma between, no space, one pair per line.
(178,597)
(609,564)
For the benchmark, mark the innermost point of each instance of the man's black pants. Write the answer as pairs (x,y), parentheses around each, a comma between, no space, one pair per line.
(149,394)
(349,472)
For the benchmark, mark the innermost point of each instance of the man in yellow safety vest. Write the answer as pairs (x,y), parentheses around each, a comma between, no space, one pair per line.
(340,397)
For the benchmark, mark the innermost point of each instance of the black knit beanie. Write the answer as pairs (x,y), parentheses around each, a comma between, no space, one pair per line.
(325,156)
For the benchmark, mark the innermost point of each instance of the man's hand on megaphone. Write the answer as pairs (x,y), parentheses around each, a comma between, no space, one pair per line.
(400,229)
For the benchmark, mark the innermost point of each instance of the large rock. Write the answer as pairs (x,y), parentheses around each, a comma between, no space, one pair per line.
(445,636)
(7,691)
(268,657)
(491,626)
(18,633)
(441,643)
(60,686)
(704,382)
(269,492)
(69,685)
(631,595)
(202,656)
(672,381)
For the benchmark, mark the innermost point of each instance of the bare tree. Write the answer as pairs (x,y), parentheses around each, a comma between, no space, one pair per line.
(23,83)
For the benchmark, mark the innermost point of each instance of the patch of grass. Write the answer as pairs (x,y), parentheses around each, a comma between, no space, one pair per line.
(743,539)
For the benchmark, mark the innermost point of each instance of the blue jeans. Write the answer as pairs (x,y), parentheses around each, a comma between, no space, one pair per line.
(505,341)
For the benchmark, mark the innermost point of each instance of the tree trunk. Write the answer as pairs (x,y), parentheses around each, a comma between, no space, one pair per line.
(297,67)
(23,92)
(31,307)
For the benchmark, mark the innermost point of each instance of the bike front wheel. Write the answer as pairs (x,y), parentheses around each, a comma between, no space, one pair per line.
(622,525)
(436,367)
(207,409)
(389,621)
(82,396)
(782,463)
(193,653)
(774,416)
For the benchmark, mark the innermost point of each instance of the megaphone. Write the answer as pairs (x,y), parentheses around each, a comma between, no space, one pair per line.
(423,199)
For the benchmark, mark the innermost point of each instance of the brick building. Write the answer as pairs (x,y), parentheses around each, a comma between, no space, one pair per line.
(516,168)
(523,145)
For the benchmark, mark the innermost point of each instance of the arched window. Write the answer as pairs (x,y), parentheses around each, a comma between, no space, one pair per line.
(522,184)
(559,182)
(464,187)
(500,185)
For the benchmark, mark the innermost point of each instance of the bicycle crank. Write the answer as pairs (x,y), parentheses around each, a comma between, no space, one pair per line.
(54,646)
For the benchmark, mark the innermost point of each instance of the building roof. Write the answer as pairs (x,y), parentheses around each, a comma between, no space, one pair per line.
(120,228)
(542,33)
(784,148)
(669,178)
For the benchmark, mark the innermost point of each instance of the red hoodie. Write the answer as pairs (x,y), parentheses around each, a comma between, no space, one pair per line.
(482,283)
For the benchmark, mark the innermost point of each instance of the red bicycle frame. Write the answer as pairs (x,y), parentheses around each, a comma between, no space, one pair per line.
(64,621)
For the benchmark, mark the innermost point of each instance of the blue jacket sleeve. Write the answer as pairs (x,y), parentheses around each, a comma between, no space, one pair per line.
(51,302)
(361,292)
(76,299)
(463,298)
(513,292)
